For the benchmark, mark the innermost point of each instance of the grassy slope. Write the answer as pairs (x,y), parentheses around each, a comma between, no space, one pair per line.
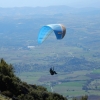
(4,98)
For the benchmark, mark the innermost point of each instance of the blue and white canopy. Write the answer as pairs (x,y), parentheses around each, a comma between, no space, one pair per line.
(45,31)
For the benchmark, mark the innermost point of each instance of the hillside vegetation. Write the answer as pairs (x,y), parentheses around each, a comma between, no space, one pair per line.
(12,86)
(4,97)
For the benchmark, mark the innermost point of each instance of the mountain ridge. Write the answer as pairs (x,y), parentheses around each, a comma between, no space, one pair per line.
(16,11)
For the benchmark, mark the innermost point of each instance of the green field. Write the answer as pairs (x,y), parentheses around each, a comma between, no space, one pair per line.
(68,84)
(97,71)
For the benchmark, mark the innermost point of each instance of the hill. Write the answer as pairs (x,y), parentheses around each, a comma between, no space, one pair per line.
(50,10)
(2,97)
(13,87)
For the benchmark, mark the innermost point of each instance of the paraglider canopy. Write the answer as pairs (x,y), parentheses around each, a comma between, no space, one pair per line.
(45,31)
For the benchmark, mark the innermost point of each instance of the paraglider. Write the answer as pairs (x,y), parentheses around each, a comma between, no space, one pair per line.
(52,72)
(58,29)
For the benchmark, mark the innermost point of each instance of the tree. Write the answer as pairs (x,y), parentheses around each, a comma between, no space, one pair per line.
(6,69)
(13,87)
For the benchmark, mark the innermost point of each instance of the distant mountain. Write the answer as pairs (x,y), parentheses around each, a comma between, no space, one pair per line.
(20,11)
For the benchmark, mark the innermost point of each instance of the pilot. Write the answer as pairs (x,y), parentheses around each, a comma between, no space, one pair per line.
(52,72)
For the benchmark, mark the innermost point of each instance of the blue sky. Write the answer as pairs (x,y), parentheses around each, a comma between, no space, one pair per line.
(43,3)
